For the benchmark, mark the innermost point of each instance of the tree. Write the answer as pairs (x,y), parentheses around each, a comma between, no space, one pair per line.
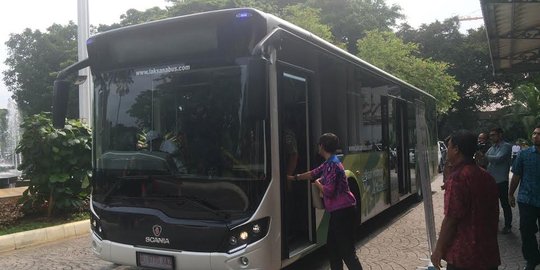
(133,17)
(468,55)
(184,7)
(310,19)
(351,19)
(388,52)
(469,62)
(33,59)
(526,103)
(57,162)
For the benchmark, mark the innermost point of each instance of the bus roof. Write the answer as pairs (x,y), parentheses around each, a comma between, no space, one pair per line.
(272,23)
(331,48)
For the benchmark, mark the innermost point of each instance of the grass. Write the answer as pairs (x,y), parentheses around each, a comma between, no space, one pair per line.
(13,221)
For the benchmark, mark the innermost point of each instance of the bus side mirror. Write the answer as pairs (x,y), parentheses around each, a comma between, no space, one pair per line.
(60,102)
(257,85)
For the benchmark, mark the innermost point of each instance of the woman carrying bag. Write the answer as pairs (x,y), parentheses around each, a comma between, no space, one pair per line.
(338,201)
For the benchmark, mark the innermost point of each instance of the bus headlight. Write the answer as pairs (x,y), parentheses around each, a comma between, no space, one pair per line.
(246,234)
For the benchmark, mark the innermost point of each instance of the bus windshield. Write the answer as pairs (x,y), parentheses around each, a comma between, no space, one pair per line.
(172,133)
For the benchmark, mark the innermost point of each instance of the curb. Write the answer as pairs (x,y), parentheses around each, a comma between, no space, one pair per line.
(44,235)
(9,193)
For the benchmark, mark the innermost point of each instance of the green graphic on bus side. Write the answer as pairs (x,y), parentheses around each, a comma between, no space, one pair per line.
(368,169)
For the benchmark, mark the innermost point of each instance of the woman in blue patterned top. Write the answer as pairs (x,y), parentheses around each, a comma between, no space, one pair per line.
(338,201)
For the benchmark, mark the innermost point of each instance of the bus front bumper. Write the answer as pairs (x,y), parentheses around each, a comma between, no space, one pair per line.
(255,256)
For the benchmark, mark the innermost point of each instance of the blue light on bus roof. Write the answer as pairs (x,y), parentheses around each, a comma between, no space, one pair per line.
(243,14)
(89,41)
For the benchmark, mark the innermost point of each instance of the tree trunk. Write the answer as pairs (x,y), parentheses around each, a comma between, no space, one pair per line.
(51,205)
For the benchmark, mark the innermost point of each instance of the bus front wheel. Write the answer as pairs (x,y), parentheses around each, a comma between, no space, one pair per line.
(353,186)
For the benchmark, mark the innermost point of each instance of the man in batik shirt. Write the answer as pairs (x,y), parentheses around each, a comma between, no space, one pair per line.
(468,236)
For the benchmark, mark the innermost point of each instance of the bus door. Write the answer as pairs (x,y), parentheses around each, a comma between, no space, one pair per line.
(395,133)
(297,213)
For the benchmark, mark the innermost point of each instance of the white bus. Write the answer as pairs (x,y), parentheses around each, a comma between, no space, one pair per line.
(198,119)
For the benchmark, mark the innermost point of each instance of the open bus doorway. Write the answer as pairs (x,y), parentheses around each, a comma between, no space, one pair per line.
(396,136)
(296,205)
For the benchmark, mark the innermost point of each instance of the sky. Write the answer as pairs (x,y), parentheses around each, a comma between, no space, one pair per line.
(418,12)
(16,15)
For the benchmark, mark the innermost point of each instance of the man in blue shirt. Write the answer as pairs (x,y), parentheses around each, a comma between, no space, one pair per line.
(526,170)
(499,158)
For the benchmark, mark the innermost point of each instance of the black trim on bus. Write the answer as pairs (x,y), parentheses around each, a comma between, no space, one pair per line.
(145,227)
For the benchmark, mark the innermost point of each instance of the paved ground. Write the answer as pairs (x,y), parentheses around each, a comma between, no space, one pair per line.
(395,240)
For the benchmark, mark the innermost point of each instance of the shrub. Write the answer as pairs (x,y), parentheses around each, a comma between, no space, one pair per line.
(10,212)
(57,162)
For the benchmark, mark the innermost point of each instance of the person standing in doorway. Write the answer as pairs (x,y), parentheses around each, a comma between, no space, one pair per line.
(468,235)
(338,201)
(526,174)
(499,158)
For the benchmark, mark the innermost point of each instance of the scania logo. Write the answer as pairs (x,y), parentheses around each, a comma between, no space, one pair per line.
(156,229)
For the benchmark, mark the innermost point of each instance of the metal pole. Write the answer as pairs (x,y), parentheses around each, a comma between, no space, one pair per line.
(423,173)
(86,88)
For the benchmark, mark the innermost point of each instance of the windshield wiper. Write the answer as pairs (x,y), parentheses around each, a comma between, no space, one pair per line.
(198,202)
(117,184)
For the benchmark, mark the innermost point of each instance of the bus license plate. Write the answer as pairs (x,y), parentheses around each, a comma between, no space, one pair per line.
(155,261)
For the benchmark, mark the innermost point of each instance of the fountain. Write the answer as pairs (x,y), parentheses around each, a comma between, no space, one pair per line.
(9,160)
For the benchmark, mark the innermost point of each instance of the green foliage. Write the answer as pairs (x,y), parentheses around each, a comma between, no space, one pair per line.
(351,19)
(388,52)
(33,57)
(57,162)
(185,7)
(134,16)
(310,19)
(469,62)
(526,103)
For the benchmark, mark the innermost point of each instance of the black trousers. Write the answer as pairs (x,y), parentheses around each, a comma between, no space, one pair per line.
(340,242)
(503,197)
(528,216)
(451,267)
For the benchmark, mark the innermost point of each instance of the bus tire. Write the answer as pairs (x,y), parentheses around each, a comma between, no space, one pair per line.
(353,186)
